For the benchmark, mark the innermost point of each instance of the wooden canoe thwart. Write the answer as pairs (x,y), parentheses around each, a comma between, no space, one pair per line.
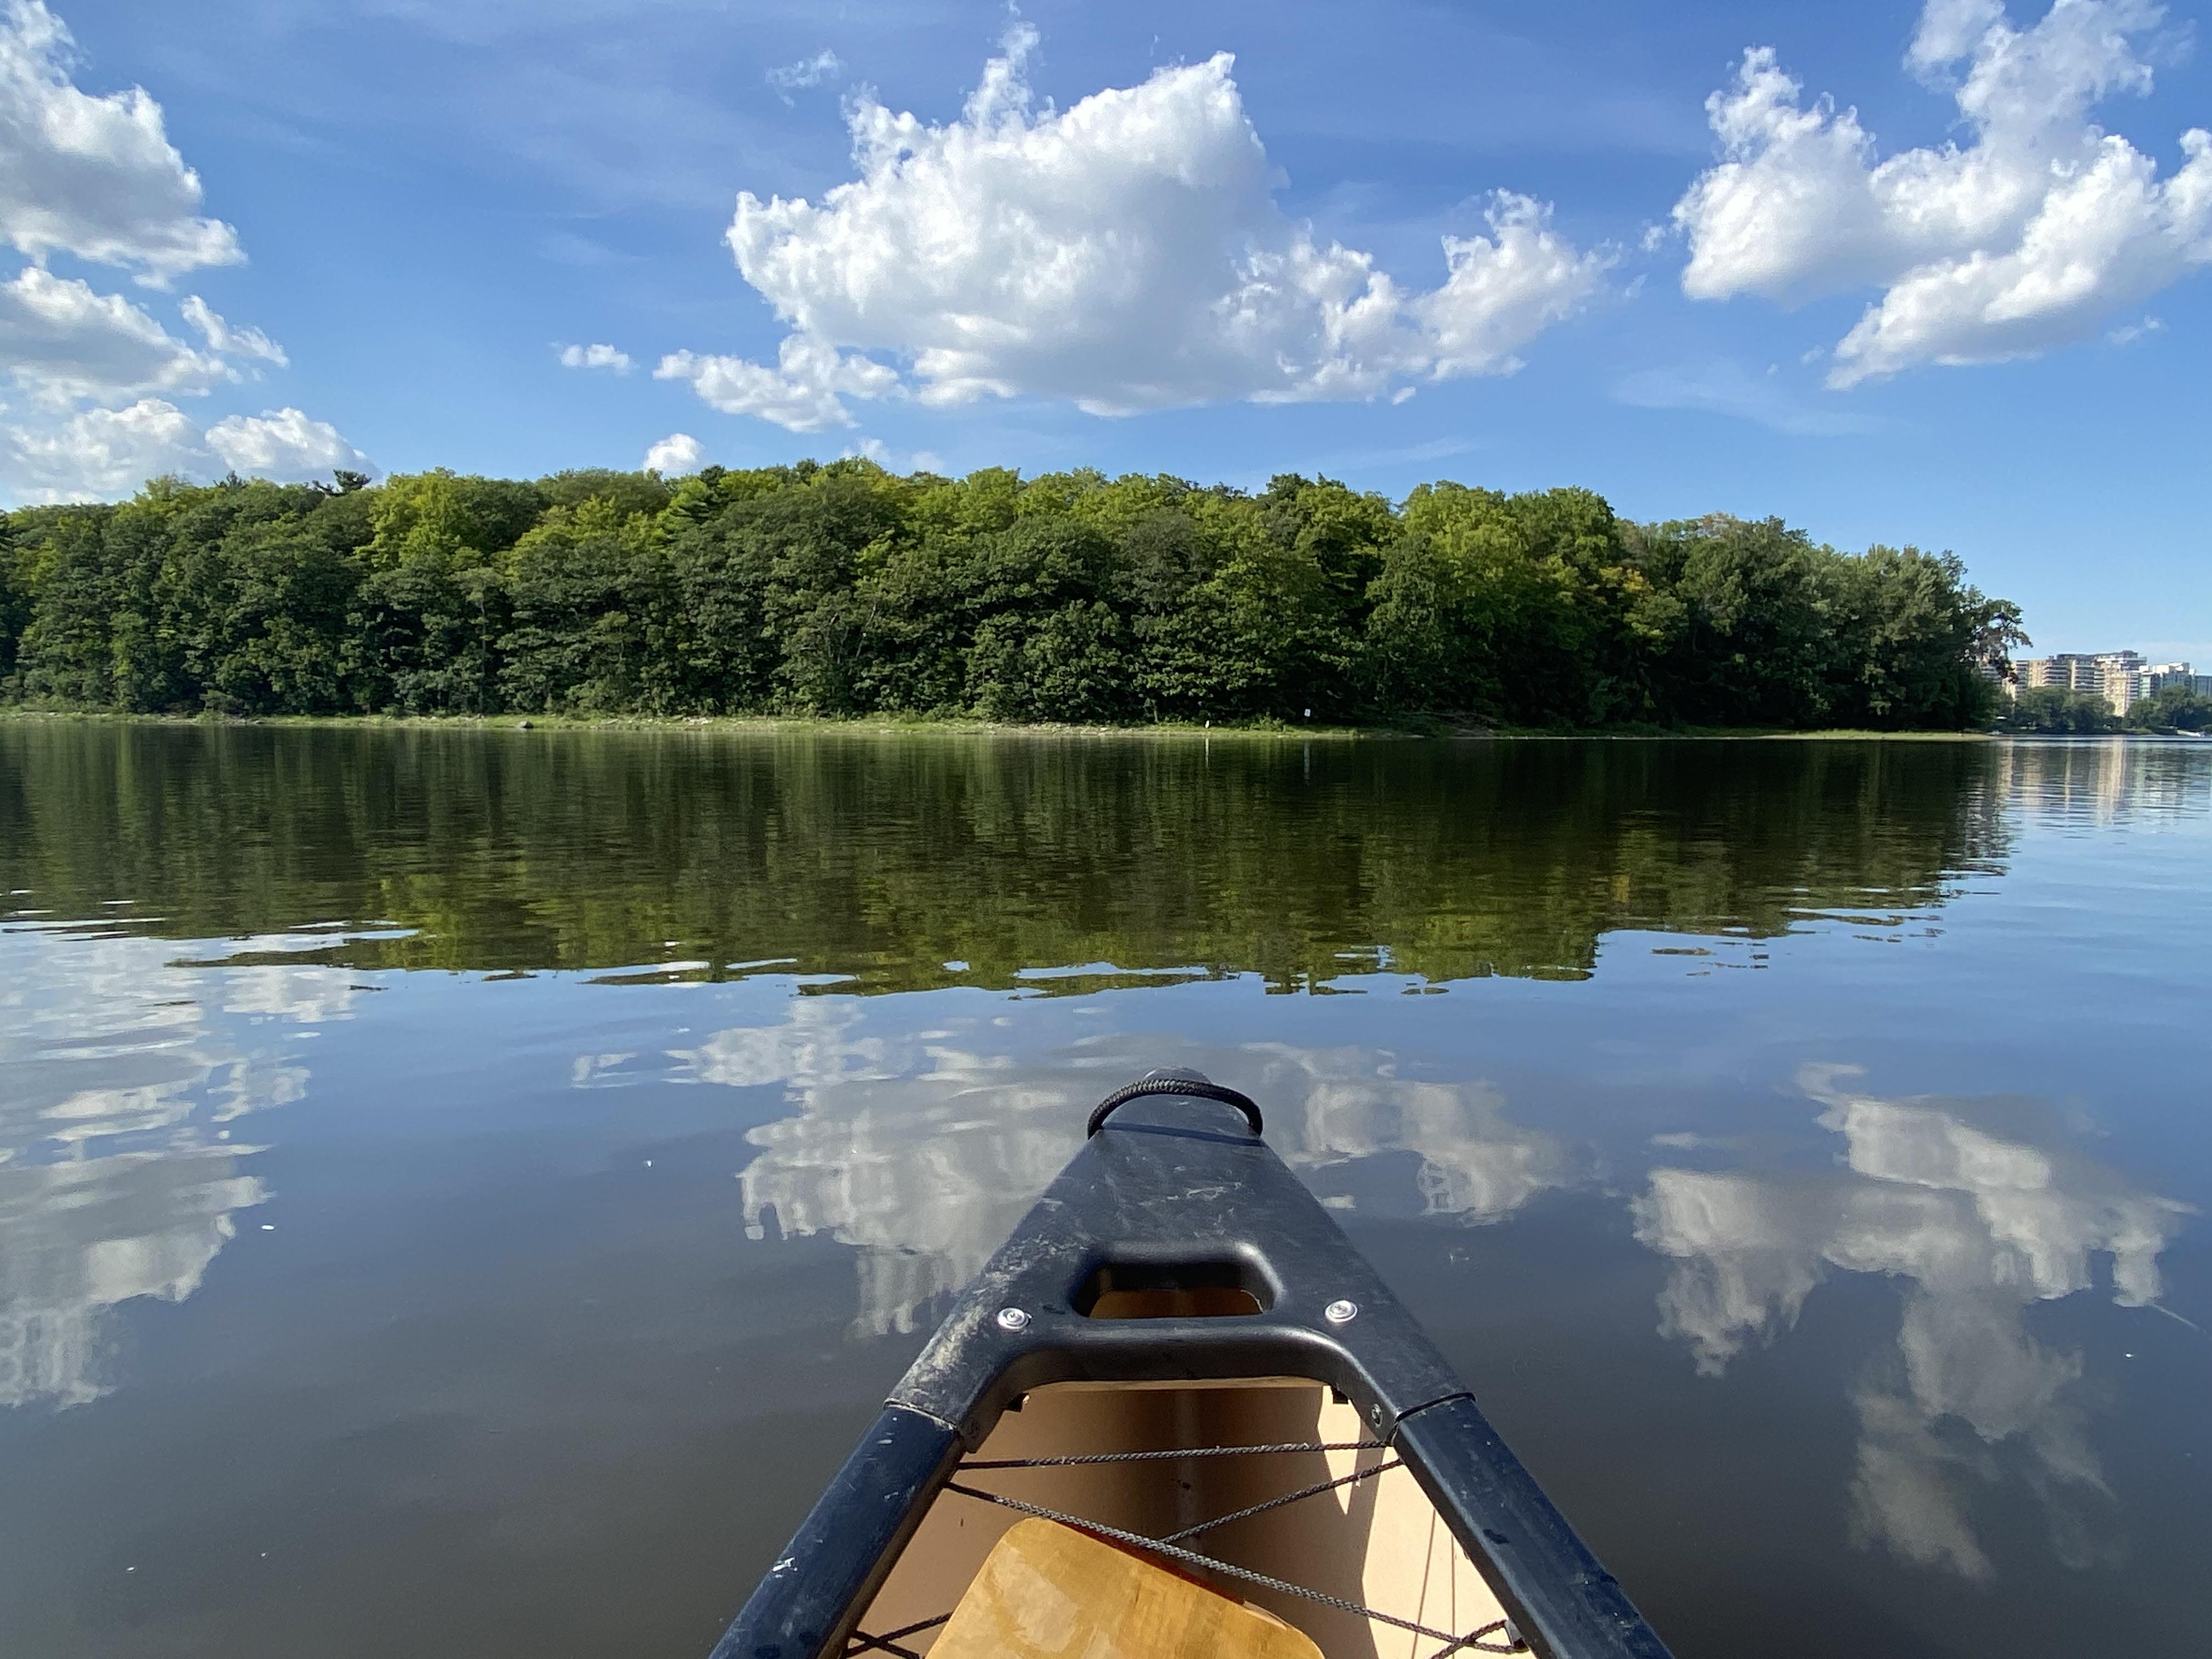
(1178,1415)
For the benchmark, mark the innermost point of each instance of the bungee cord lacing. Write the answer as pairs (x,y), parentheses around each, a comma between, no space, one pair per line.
(1172,1547)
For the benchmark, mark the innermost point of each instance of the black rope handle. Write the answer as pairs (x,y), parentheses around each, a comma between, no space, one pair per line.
(1193,1084)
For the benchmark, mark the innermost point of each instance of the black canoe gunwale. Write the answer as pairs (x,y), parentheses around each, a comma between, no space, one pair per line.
(1184,1179)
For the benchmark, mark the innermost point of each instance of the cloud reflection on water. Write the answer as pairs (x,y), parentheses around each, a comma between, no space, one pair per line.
(924,1153)
(1980,1226)
(117,1177)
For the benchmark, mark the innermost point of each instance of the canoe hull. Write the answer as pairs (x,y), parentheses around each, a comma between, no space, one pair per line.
(1376,1542)
(1173,1208)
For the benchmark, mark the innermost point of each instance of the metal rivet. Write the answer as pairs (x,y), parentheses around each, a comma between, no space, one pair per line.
(1013,1319)
(1341,1312)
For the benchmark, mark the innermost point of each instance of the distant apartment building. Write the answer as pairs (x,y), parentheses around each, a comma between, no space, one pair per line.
(2148,681)
(2159,676)
(2107,674)
(2122,678)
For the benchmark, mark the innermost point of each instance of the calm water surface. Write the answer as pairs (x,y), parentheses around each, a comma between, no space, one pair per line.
(462,1193)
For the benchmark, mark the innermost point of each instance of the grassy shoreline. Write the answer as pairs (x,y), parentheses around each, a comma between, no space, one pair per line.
(1274,732)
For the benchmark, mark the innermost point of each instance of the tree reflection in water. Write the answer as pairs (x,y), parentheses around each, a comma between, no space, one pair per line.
(886,857)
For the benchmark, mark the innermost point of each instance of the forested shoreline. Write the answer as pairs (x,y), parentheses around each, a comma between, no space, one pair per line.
(2059,710)
(844,590)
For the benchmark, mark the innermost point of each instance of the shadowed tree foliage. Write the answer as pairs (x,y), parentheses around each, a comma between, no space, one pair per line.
(2060,710)
(843,590)
(14,596)
(2171,708)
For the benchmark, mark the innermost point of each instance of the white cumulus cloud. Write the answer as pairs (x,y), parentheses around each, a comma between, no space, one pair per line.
(1126,253)
(594,356)
(91,175)
(800,393)
(62,341)
(2029,235)
(1503,290)
(788,78)
(2128,333)
(875,450)
(676,455)
(225,337)
(94,177)
(99,454)
(282,444)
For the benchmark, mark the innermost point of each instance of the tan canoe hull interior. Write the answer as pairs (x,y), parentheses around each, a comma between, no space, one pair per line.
(1377,1542)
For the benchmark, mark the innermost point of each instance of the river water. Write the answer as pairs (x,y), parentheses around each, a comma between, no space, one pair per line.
(461,1192)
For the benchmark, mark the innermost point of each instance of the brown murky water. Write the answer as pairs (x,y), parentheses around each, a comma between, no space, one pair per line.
(461,1192)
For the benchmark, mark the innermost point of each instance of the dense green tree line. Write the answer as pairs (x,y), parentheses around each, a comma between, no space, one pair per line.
(842,589)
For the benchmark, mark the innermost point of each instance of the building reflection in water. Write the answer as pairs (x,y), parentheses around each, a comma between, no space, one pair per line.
(120,1171)
(1978,1224)
(924,1153)
(2107,782)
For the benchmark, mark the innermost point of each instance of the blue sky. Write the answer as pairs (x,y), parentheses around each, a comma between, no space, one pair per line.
(406,209)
